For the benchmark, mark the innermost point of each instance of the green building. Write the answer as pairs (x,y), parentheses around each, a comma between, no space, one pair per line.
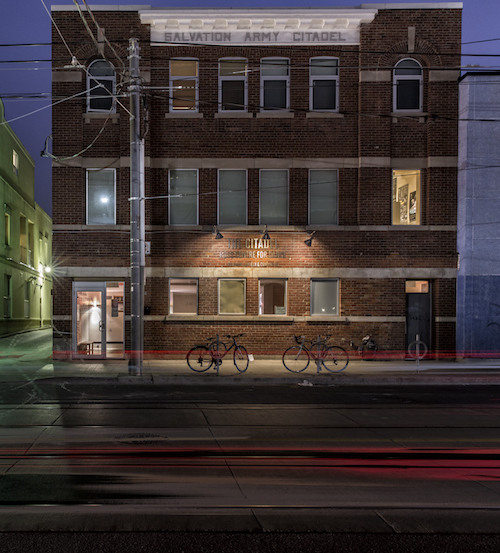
(25,241)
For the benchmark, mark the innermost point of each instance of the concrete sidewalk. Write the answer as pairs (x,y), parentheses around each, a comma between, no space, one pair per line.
(263,371)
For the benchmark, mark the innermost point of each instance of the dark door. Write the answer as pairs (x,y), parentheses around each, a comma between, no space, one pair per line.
(418,312)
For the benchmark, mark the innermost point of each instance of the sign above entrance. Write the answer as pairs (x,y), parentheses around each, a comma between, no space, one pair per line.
(262,27)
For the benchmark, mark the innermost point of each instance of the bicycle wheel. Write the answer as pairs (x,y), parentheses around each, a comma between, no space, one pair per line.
(240,358)
(296,359)
(218,350)
(199,359)
(334,358)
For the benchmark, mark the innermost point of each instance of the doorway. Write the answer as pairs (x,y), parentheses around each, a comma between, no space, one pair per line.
(98,320)
(418,312)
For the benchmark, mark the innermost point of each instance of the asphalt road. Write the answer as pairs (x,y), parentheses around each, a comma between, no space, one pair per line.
(257,459)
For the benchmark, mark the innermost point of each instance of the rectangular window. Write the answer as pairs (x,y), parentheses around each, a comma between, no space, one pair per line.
(27,290)
(183,296)
(325,297)
(183,197)
(406,197)
(7,296)
(272,296)
(273,197)
(23,243)
(233,85)
(323,191)
(275,84)
(101,196)
(324,84)
(7,229)
(184,85)
(232,295)
(15,162)
(232,198)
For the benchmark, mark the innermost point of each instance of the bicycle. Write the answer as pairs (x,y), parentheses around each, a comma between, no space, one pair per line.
(203,356)
(333,358)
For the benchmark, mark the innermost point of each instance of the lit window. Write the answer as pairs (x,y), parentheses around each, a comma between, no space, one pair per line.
(101,196)
(183,296)
(325,297)
(275,83)
(323,189)
(232,201)
(406,197)
(232,293)
(272,296)
(408,86)
(184,85)
(273,197)
(183,197)
(324,84)
(101,84)
(15,162)
(233,85)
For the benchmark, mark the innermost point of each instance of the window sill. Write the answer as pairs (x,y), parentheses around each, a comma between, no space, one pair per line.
(324,114)
(184,115)
(235,114)
(89,116)
(275,114)
(232,318)
(413,114)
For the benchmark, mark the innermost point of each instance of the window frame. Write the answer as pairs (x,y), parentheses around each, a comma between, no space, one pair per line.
(418,212)
(98,79)
(197,199)
(219,222)
(395,85)
(15,163)
(170,294)
(263,78)
(261,222)
(334,78)
(172,79)
(87,174)
(278,280)
(226,78)
(244,280)
(7,225)
(337,299)
(309,203)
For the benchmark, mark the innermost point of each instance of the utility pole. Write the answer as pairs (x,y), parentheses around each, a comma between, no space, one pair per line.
(136,218)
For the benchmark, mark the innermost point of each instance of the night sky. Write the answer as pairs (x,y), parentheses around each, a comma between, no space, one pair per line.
(25,83)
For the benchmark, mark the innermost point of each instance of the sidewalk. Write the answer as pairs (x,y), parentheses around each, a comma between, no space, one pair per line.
(267,372)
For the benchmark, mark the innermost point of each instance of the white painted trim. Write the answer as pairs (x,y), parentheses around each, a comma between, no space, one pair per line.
(116,273)
(416,6)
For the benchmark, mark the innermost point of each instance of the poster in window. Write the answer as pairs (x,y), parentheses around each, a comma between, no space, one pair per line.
(403,204)
(114,307)
(413,206)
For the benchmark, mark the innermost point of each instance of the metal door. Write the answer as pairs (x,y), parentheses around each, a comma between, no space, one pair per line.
(418,312)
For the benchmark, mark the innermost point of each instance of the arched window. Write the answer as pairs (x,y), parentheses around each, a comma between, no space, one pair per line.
(408,86)
(101,84)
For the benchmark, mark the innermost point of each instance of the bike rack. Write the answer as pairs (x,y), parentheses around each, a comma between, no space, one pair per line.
(319,361)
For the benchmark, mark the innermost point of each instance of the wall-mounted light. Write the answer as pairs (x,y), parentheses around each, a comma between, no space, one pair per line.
(218,235)
(308,242)
(266,234)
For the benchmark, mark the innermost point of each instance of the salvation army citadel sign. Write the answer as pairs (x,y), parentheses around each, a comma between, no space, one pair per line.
(256,27)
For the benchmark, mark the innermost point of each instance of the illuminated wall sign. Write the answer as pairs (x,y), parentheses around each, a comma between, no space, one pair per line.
(257,26)
(252,248)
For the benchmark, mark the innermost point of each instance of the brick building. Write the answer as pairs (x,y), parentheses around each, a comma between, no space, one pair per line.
(336,126)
